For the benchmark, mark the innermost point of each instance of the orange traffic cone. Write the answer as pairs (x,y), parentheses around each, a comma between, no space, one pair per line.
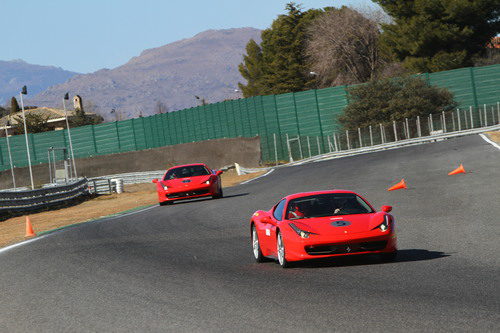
(398,186)
(458,170)
(29,228)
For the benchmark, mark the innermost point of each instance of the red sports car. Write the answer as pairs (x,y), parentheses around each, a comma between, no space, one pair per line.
(187,182)
(322,224)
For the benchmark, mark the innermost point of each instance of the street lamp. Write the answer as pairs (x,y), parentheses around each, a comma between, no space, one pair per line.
(24,91)
(10,155)
(66,97)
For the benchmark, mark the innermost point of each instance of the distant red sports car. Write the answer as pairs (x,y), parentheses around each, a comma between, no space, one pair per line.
(187,182)
(322,224)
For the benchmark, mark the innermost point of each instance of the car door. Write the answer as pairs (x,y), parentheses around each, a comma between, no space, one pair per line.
(276,217)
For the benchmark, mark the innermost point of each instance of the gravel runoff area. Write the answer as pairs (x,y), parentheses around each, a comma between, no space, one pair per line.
(135,197)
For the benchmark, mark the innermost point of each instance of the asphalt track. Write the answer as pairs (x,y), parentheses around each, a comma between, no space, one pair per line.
(189,267)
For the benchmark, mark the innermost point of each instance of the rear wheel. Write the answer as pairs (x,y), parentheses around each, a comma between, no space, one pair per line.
(281,252)
(165,203)
(257,253)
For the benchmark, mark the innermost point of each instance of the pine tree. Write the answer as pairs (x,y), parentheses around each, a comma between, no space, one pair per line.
(435,35)
(14,107)
(279,65)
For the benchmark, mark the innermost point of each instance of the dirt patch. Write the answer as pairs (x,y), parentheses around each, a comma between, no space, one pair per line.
(494,136)
(138,195)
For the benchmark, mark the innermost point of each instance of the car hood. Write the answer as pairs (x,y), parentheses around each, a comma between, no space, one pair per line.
(334,225)
(176,182)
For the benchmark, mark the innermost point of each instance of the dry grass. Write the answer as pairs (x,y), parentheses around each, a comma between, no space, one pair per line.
(494,136)
(13,230)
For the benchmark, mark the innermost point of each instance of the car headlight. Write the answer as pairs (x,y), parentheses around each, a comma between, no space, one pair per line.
(165,187)
(300,232)
(385,225)
(207,182)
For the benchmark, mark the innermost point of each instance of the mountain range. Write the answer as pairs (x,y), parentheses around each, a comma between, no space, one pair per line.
(16,73)
(205,65)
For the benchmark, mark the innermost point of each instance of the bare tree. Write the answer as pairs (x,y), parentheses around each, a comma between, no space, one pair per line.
(343,46)
(161,108)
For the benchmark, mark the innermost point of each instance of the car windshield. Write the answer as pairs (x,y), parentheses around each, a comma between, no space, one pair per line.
(330,204)
(186,171)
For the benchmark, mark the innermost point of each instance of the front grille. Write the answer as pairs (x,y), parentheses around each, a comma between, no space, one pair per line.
(186,194)
(345,248)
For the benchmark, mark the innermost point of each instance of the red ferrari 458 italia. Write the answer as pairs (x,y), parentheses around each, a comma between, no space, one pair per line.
(322,224)
(187,182)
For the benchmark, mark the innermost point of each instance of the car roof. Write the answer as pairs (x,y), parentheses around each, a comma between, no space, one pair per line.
(306,194)
(187,165)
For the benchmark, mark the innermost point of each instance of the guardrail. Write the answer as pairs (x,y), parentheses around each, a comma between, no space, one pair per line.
(42,198)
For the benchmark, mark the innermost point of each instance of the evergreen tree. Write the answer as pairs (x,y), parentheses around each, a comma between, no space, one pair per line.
(278,65)
(14,107)
(436,35)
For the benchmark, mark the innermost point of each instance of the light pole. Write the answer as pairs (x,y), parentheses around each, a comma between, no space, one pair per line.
(24,91)
(66,97)
(10,155)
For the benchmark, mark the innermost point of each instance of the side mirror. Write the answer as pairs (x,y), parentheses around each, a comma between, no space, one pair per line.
(218,173)
(386,209)
(155,180)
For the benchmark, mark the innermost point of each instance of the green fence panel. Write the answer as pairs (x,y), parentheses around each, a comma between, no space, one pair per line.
(307,113)
(106,138)
(487,82)
(287,114)
(458,81)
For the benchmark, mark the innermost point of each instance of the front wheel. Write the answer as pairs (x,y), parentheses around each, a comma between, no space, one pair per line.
(257,253)
(165,203)
(281,252)
(219,194)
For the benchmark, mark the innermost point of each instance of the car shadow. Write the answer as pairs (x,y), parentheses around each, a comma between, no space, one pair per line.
(208,198)
(406,255)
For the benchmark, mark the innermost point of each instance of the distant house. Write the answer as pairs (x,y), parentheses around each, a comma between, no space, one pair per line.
(495,43)
(55,117)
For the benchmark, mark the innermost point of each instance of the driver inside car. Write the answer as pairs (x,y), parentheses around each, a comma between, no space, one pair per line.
(296,211)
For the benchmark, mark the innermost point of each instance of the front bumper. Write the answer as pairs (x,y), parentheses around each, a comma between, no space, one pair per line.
(316,246)
(182,193)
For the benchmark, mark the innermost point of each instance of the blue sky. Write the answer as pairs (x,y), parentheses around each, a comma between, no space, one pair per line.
(87,35)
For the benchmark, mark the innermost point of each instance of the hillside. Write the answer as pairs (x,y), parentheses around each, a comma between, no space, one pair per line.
(205,65)
(16,73)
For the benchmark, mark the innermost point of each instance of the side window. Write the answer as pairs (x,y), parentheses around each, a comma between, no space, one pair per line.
(278,212)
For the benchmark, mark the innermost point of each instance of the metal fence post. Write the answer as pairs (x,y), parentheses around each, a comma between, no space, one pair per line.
(300,147)
(335,141)
(492,116)
(419,130)
(329,143)
(431,123)
(458,120)
(319,148)
(498,112)
(485,116)
(359,136)
(381,133)
(395,131)
(443,122)
(407,129)
(371,136)
(471,119)
(453,121)
(480,116)
(308,145)
(275,149)
(290,158)
(347,136)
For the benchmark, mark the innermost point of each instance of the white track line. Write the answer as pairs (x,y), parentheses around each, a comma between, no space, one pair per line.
(485,138)
(248,181)
(10,247)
